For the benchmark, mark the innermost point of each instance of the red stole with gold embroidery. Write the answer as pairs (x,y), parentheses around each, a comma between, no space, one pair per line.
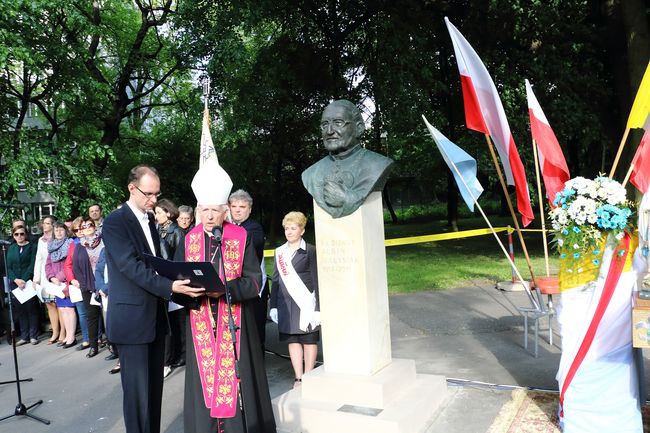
(213,341)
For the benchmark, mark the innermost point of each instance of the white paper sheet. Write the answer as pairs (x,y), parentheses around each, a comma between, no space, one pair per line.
(55,290)
(173,306)
(25,294)
(93,301)
(75,294)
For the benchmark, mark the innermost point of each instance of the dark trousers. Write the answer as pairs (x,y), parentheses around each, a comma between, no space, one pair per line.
(142,384)
(92,317)
(260,308)
(175,343)
(27,316)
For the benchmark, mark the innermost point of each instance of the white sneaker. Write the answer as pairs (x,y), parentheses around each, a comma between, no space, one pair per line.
(167,371)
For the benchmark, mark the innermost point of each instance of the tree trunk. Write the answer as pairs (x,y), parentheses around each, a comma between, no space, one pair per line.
(389,205)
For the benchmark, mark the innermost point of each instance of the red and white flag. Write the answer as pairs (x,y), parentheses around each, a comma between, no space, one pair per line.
(551,160)
(640,176)
(484,113)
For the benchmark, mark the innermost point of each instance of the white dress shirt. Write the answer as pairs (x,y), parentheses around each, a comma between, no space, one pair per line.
(143,218)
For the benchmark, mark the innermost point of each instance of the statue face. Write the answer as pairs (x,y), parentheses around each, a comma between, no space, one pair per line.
(338,129)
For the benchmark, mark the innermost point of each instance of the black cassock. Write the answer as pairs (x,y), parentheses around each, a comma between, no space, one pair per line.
(253,384)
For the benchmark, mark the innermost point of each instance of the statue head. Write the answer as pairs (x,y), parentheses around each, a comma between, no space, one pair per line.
(341,126)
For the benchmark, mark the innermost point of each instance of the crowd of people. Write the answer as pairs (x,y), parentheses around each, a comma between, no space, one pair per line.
(67,267)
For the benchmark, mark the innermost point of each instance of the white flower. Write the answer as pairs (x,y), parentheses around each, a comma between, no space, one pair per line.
(620,236)
(560,242)
(576,246)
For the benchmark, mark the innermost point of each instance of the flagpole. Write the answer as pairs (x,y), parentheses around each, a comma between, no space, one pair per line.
(629,173)
(503,248)
(619,152)
(512,210)
(541,208)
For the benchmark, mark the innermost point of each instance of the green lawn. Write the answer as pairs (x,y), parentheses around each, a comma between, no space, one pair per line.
(453,263)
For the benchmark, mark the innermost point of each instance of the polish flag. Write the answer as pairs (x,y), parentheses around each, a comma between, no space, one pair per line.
(641,172)
(484,113)
(551,160)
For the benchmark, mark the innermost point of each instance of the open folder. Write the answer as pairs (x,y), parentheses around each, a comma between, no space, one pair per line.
(200,274)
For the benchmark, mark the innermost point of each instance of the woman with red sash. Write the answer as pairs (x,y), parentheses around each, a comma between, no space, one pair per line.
(214,397)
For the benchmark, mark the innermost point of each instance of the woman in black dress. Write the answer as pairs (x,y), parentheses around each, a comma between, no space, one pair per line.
(294,296)
(171,236)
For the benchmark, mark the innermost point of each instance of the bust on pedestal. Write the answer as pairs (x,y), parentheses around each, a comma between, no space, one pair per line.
(359,387)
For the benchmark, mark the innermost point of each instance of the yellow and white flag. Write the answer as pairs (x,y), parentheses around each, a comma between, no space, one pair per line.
(640,112)
(207,150)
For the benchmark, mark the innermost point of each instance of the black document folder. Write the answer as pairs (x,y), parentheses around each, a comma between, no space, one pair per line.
(200,274)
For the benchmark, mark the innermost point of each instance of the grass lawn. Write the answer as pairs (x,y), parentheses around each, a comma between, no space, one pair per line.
(453,263)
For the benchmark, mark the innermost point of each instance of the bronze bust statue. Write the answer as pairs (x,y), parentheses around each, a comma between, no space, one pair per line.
(341,181)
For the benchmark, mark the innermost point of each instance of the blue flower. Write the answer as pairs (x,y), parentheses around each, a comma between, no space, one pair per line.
(621,253)
(576,255)
(595,252)
(565,232)
(563,256)
(596,262)
(576,229)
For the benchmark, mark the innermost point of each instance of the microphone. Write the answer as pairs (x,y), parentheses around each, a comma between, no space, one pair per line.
(11,206)
(217,232)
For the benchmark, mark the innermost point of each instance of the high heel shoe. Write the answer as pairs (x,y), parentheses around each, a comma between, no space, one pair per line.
(69,345)
(92,352)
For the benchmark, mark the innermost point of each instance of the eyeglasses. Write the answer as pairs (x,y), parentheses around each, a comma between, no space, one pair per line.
(335,124)
(18,234)
(149,195)
(86,226)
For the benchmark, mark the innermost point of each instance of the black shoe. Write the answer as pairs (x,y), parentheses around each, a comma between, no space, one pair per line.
(115,369)
(92,352)
(111,357)
(61,343)
(69,345)
(83,346)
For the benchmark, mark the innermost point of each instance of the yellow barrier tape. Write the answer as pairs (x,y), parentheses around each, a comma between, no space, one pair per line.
(438,237)
(442,236)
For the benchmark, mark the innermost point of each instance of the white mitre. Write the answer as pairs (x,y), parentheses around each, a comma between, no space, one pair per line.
(211,184)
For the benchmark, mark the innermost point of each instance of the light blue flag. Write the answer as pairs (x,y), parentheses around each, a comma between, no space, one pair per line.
(466,165)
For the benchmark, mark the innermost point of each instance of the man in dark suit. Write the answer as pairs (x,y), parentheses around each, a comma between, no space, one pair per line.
(137,307)
(240,204)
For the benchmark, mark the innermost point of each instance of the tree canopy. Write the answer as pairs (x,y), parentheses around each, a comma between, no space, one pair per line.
(118,83)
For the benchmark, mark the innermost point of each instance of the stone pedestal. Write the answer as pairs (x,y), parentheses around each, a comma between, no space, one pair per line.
(353,289)
(358,388)
(393,400)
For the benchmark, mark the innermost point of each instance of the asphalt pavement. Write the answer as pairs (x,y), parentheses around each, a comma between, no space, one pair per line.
(471,335)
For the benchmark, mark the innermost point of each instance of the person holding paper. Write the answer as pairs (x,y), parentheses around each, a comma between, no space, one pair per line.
(58,330)
(294,296)
(214,396)
(21,256)
(58,250)
(137,312)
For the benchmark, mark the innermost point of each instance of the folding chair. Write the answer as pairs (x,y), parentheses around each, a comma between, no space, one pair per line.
(543,286)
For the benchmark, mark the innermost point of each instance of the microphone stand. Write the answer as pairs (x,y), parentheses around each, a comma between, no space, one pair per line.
(233,331)
(21,409)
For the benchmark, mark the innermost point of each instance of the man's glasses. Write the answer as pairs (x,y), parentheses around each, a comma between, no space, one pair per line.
(335,124)
(149,195)
(18,234)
